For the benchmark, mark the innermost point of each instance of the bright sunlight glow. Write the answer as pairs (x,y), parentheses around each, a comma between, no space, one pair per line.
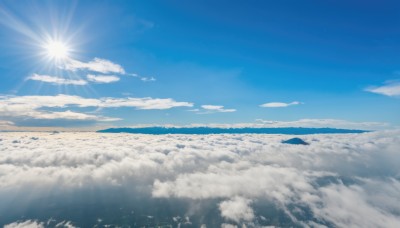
(57,50)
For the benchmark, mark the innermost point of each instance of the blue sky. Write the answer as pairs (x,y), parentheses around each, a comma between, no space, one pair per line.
(283,63)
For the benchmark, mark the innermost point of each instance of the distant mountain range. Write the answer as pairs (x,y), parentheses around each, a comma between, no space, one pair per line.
(212,130)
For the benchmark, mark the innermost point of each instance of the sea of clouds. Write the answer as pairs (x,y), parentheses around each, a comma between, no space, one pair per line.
(93,179)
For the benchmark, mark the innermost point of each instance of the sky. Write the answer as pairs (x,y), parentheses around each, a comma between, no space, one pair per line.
(96,64)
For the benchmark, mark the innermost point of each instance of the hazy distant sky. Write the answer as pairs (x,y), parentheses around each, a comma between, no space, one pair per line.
(183,62)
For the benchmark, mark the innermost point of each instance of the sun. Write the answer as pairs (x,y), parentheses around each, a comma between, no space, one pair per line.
(56,50)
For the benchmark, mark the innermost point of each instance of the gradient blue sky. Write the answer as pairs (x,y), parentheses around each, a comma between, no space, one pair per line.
(317,60)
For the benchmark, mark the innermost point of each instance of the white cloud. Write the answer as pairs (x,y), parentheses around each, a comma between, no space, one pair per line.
(215,108)
(34,106)
(37,224)
(148,79)
(338,180)
(227,225)
(322,123)
(354,199)
(212,107)
(143,103)
(56,80)
(144,79)
(69,115)
(279,104)
(25,224)
(62,100)
(96,65)
(103,66)
(391,89)
(54,115)
(4,123)
(102,78)
(237,209)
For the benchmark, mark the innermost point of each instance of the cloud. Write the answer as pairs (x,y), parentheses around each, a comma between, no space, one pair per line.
(279,104)
(306,123)
(26,224)
(56,80)
(145,79)
(237,209)
(103,66)
(62,100)
(216,108)
(37,224)
(96,65)
(146,103)
(391,89)
(69,115)
(4,123)
(102,78)
(254,180)
(148,79)
(332,123)
(36,107)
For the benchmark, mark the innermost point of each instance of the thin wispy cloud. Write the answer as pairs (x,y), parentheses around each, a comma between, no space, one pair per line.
(102,78)
(96,65)
(4,123)
(279,104)
(67,115)
(148,79)
(37,224)
(142,78)
(217,108)
(324,123)
(56,80)
(104,66)
(391,89)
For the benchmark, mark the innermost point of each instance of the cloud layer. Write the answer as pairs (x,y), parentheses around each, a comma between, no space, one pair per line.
(347,180)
